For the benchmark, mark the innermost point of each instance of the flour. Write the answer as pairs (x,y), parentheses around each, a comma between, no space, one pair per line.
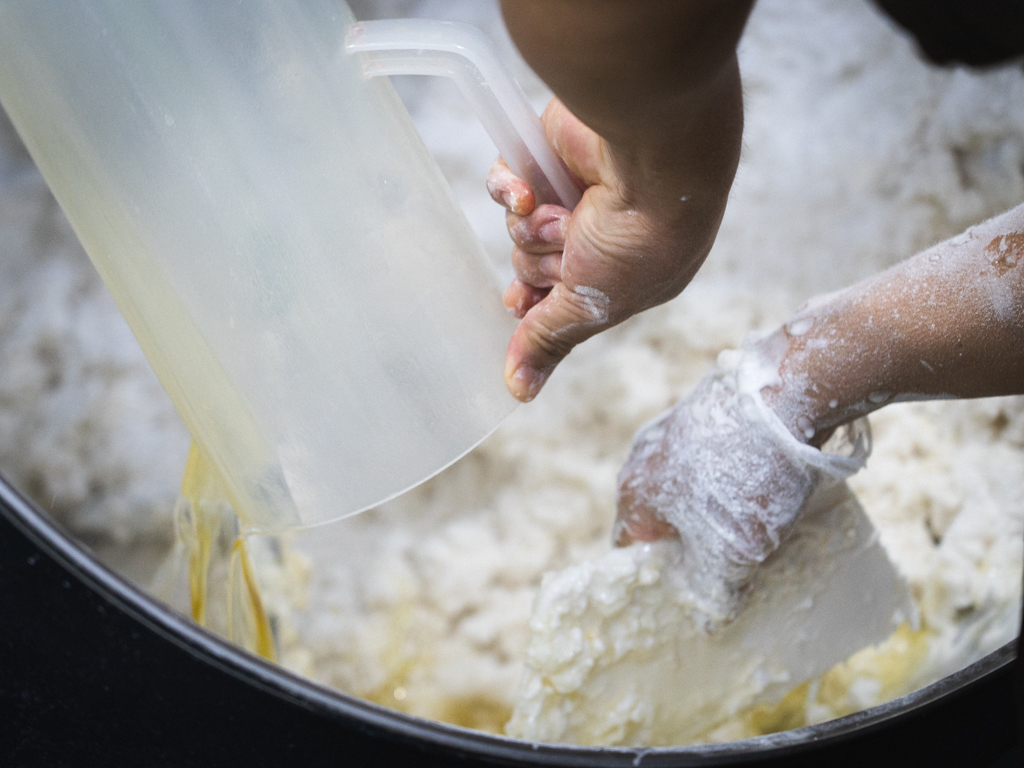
(620,654)
(595,301)
(856,155)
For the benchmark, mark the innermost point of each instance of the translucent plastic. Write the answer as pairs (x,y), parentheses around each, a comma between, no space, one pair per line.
(464,54)
(282,245)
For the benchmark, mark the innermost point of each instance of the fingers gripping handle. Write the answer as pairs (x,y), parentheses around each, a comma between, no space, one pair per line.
(464,54)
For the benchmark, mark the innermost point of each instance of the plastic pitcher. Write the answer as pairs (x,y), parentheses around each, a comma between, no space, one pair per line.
(282,245)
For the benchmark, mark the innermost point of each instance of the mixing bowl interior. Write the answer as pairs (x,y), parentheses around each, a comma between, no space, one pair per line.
(95,664)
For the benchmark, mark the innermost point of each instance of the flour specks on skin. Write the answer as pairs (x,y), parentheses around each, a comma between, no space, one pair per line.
(596,302)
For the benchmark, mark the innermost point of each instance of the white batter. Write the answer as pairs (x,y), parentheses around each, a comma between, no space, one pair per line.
(622,654)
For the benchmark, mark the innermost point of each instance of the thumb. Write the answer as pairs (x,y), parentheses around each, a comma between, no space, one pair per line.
(548,332)
(582,150)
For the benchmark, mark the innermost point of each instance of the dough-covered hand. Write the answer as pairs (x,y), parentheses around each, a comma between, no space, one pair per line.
(721,471)
(731,466)
(634,241)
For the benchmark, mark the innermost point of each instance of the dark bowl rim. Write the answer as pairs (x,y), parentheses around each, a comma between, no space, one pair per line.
(38,526)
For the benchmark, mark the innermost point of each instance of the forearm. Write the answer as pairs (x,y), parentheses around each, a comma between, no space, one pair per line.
(657,79)
(946,323)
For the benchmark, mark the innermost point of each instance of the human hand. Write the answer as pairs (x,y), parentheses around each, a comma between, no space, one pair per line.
(633,242)
(720,470)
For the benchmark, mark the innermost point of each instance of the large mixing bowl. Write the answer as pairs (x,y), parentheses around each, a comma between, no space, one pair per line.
(93,671)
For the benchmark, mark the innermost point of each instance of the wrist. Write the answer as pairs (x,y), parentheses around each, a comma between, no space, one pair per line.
(816,391)
(752,372)
(809,408)
(680,157)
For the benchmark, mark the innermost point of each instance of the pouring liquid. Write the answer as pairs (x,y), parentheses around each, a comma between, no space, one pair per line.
(211,543)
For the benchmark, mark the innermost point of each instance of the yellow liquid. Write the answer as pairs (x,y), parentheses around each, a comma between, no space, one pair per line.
(890,665)
(201,516)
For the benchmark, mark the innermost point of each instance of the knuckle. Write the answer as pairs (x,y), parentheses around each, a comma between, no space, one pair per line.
(548,342)
(524,265)
(539,233)
(497,184)
(519,229)
(515,225)
(588,307)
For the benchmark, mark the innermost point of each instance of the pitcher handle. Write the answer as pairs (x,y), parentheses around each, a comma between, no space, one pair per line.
(463,53)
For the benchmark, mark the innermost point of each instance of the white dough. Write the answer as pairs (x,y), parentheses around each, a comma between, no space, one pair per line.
(620,655)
